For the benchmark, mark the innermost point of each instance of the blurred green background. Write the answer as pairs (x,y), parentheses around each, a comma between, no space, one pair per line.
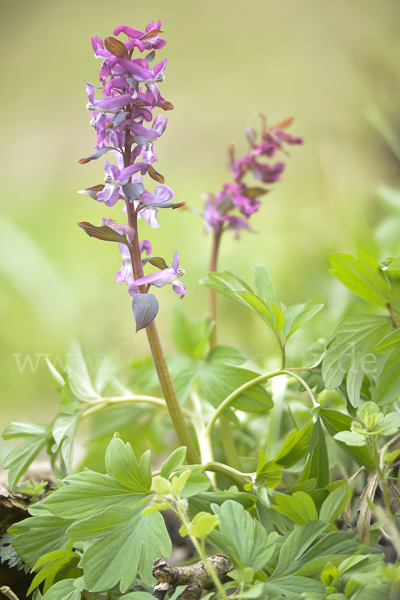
(327,63)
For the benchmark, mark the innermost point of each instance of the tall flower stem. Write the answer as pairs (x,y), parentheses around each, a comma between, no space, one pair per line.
(212,295)
(171,399)
(228,443)
(160,363)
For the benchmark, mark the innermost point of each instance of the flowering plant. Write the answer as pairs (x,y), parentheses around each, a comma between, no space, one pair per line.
(252,493)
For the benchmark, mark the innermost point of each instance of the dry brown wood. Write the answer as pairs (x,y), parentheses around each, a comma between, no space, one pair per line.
(12,508)
(6,591)
(195,577)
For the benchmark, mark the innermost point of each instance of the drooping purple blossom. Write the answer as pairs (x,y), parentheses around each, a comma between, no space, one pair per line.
(115,179)
(162,193)
(161,278)
(125,274)
(213,218)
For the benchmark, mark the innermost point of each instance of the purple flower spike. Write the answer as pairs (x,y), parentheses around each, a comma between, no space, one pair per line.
(161,278)
(238,194)
(126,126)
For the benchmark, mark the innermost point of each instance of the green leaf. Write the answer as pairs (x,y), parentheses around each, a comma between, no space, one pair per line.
(63,590)
(196,482)
(139,596)
(217,282)
(335,422)
(162,486)
(243,538)
(121,464)
(69,401)
(56,561)
(270,519)
(37,536)
(175,460)
(244,576)
(300,507)
(389,342)
(264,284)
(370,414)
(279,319)
(57,377)
(388,385)
(366,278)
(270,474)
(239,280)
(178,483)
(98,525)
(15,430)
(255,591)
(202,501)
(295,588)
(295,546)
(350,346)
(317,466)
(294,447)
(335,503)
(333,546)
(19,459)
(105,372)
(217,380)
(103,232)
(79,379)
(302,317)
(191,338)
(258,306)
(202,525)
(225,354)
(350,438)
(390,424)
(229,281)
(127,548)
(64,430)
(155,507)
(89,494)
(183,381)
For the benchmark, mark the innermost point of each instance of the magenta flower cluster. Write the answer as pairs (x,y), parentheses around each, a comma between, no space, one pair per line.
(238,194)
(127,129)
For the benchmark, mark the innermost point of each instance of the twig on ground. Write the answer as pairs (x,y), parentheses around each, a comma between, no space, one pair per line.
(195,577)
(8,592)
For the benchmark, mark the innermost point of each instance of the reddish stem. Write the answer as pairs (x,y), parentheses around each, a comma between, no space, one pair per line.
(212,295)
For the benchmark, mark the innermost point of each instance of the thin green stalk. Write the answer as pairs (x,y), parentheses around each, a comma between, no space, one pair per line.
(228,401)
(106,402)
(394,322)
(212,295)
(283,351)
(238,478)
(228,443)
(201,552)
